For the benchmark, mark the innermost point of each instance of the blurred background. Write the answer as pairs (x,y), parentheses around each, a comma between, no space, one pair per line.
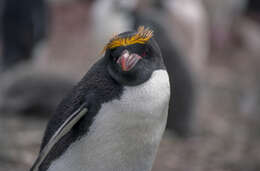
(213,46)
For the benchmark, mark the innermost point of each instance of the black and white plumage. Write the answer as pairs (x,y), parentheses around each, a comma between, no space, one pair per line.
(125,98)
(132,13)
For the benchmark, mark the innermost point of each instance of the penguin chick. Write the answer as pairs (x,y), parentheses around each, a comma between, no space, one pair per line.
(115,117)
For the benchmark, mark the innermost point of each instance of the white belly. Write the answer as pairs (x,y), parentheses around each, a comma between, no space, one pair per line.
(125,134)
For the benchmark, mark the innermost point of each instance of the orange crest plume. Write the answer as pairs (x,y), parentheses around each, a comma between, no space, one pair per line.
(141,37)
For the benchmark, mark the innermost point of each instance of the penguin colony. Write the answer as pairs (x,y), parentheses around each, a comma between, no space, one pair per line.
(114,118)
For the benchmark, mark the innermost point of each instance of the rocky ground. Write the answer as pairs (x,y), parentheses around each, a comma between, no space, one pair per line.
(226,115)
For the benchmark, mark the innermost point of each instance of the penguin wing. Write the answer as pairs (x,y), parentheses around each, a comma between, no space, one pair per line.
(61,131)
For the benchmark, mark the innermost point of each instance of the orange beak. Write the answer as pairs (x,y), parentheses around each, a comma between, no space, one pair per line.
(127,61)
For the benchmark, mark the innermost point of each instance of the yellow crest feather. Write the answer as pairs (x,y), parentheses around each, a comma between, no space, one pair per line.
(141,36)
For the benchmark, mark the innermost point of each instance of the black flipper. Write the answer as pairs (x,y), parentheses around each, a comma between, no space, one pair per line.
(63,130)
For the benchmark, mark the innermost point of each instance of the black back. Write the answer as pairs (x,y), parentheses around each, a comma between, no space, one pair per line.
(95,88)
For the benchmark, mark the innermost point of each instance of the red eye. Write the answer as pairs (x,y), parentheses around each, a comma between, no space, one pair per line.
(144,54)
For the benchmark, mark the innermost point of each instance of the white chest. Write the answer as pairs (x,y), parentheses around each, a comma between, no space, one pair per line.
(125,133)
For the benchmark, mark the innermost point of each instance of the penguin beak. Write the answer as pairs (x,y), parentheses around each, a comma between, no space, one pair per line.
(127,61)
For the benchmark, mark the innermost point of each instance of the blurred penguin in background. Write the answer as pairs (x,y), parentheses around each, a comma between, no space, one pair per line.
(125,15)
(249,28)
(27,86)
(190,27)
(249,36)
(1,13)
(24,26)
(223,14)
(253,9)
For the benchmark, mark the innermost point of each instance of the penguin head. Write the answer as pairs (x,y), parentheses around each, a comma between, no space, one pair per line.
(133,56)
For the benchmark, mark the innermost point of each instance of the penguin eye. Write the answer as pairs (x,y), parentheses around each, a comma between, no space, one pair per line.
(114,55)
(146,52)
(116,52)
